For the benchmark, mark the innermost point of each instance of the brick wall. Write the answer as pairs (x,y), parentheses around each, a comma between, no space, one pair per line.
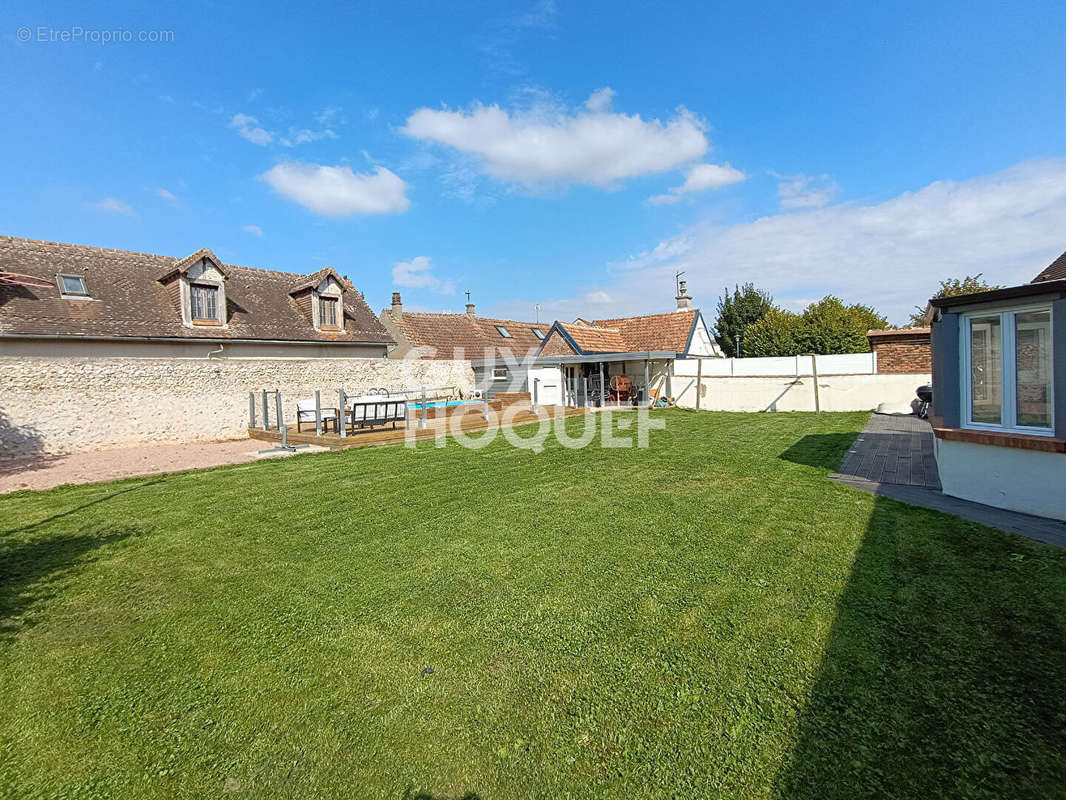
(902,351)
(58,405)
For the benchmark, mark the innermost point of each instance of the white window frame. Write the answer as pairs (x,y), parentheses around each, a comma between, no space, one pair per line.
(1008,371)
(496,376)
(63,293)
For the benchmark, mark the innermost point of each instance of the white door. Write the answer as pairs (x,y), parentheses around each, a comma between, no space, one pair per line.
(548,385)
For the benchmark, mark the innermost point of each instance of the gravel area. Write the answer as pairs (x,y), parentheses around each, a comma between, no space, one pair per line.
(127,462)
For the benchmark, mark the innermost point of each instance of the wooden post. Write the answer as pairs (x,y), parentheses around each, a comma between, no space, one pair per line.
(251,409)
(699,381)
(318,412)
(647,382)
(817,397)
(342,421)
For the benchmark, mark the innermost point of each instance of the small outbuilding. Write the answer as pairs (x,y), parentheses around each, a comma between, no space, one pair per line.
(999,395)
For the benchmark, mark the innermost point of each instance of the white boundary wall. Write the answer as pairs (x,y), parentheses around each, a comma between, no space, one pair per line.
(785,393)
(845,364)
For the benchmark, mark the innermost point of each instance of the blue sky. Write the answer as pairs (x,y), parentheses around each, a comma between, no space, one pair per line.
(574,156)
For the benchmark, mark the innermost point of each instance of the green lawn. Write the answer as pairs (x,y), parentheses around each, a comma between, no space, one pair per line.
(710,617)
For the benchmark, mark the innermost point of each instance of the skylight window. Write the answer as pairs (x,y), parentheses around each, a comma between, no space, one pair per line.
(72,286)
(506,334)
(538,333)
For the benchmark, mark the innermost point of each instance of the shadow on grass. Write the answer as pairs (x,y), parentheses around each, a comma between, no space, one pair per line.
(822,450)
(70,511)
(944,674)
(32,572)
(411,794)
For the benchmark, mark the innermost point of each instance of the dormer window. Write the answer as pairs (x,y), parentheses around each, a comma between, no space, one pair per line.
(73,287)
(328,312)
(203,300)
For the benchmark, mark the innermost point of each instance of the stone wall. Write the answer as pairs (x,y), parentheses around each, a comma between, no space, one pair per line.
(904,351)
(61,405)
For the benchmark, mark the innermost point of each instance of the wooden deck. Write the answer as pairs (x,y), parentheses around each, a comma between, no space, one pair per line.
(471,422)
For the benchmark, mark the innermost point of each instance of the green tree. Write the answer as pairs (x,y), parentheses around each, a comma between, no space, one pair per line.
(952,287)
(746,306)
(776,334)
(828,327)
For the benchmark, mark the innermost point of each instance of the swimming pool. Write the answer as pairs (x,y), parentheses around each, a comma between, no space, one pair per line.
(444,403)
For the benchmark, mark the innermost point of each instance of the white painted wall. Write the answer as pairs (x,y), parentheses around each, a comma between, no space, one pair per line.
(784,393)
(549,385)
(845,364)
(185,348)
(703,343)
(1028,481)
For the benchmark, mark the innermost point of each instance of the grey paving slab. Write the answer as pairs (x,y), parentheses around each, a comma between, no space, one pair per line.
(893,449)
(893,457)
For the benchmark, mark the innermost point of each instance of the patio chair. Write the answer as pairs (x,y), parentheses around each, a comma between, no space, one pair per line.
(621,388)
(305,412)
(370,410)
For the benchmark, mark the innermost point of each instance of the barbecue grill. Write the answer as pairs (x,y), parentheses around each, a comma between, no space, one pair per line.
(925,399)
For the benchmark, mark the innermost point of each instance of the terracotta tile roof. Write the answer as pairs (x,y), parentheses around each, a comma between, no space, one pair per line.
(129,300)
(447,333)
(1056,270)
(596,338)
(654,332)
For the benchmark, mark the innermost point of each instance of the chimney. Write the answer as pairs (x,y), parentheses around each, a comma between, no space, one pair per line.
(684,302)
(470,307)
(397,307)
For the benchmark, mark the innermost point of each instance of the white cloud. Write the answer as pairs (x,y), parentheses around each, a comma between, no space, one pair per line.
(806,191)
(113,205)
(248,128)
(305,135)
(545,146)
(166,194)
(327,115)
(892,254)
(600,100)
(700,178)
(337,191)
(418,273)
(255,230)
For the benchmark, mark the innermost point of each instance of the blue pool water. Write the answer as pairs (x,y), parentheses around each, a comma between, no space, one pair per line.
(444,403)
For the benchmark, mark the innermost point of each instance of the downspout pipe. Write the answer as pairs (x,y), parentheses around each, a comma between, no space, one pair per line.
(221,347)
